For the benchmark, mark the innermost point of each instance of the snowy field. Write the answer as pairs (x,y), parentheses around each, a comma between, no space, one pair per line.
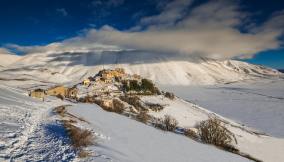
(259,105)
(123,139)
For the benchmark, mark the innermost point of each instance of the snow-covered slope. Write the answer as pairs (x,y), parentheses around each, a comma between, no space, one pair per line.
(164,69)
(123,139)
(29,132)
(8,59)
(26,132)
(249,141)
(257,104)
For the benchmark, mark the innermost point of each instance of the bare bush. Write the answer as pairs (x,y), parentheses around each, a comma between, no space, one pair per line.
(170,95)
(155,107)
(133,100)
(170,123)
(118,106)
(213,132)
(190,133)
(143,117)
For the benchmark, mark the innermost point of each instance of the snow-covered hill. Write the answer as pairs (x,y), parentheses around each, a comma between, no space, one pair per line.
(8,59)
(30,132)
(164,69)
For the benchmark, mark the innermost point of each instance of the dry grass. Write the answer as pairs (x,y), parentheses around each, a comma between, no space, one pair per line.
(60,110)
(79,137)
(213,132)
(84,154)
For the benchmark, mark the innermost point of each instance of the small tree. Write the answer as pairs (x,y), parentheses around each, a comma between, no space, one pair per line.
(213,132)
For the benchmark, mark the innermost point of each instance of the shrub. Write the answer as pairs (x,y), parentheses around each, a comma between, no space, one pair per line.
(87,99)
(170,95)
(132,100)
(118,106)
(143,117)
(170,123)
(148,85)
(145,87)
(154,107)
(191,133)
(131,85)
(158,123)
(213,132)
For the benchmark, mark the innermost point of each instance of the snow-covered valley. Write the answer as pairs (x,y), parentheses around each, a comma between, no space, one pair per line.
(248,98)
(257,104)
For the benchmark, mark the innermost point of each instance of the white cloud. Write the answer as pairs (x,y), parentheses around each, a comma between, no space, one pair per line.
(169,15)
(208,30)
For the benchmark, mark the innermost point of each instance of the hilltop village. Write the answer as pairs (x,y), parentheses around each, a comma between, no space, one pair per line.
(109,88)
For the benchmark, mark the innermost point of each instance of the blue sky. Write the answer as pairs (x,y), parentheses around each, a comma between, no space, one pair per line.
(41,22)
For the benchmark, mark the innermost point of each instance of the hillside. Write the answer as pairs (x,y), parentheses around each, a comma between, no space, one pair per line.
(138,99)
(8,59)
(164,69)
(30,132)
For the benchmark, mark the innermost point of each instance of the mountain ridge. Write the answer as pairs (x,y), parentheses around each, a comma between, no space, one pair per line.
(164,69)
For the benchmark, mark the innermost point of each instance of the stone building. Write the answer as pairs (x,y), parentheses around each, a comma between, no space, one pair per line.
(37,93)
(58,90)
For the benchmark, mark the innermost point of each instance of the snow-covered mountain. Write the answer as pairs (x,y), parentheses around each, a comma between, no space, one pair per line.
(164,69)
(29,125)
(7,59)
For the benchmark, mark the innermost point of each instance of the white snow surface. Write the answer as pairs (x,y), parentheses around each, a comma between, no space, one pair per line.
(188,115)
(30,132)
(124,139)
(258,104)
(27,133)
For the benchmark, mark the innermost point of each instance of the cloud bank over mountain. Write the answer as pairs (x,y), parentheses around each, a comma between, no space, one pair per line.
(216,29)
